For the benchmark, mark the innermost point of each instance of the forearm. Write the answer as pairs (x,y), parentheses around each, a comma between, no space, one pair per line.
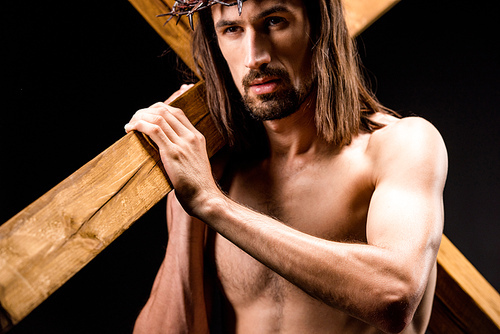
(177,303)
(362,280)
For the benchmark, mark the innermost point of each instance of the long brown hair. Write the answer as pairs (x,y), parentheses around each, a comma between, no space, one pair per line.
(343,103)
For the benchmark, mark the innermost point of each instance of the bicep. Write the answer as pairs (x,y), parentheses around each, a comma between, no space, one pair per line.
(406,208)
(405,220)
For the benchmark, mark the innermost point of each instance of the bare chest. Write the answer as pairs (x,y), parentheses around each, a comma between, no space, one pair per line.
(329,201)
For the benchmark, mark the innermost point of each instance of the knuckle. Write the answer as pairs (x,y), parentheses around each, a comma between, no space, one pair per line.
(157,105)
(200,137)
(174,153)
(192,137)
(196,138)
(137,114)
(176,111)
(156,129)
(156,119)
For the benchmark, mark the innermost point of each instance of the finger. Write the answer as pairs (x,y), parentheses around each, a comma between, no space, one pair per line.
(153,131)
(156,122)
(178,93)
(163,114)
(155,109)
(181,117)
(174,116)
(135,118)
(162,120)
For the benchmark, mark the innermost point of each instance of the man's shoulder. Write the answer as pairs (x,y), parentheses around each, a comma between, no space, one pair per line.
(410,132)
(404,129)
(409,140)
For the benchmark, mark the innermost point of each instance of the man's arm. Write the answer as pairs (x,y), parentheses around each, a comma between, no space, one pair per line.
(177,300)
(380,282)
(177,303)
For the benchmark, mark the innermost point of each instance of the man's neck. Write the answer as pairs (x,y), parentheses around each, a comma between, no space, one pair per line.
(295,135)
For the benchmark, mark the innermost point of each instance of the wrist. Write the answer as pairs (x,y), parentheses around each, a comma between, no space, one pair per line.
(210,205)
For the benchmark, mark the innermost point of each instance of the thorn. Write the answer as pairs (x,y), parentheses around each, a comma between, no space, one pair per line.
(240,6)
(167,20)
(190,17)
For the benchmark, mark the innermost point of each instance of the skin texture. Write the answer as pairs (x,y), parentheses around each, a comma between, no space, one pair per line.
(262,38)
(314,238)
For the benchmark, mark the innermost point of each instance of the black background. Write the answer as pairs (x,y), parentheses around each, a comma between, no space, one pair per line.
(73,73)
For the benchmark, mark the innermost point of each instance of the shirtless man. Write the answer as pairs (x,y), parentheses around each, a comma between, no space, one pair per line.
(333,223)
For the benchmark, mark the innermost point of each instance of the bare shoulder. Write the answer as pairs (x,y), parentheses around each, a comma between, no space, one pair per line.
(410,142)
(405,130)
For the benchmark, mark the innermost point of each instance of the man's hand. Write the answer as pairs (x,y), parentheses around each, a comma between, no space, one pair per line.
(182,149)
(184,88)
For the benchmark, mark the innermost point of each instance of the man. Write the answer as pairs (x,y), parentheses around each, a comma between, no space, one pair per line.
(331,224)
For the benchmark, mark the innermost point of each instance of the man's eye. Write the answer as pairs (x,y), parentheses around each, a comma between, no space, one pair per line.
(275,20)
(231,30)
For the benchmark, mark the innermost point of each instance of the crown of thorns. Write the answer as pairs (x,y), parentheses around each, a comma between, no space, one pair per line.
(189,7)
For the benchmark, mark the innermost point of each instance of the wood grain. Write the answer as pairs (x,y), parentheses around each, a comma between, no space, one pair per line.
(464,301)
(177,36)
(360,14)
(52,239)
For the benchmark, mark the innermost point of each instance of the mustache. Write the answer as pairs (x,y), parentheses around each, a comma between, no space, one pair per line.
(267,72)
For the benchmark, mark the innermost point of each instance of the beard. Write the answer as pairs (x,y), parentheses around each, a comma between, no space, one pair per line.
(277,105)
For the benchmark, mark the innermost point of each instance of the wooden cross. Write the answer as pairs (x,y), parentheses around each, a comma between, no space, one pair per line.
(48,242)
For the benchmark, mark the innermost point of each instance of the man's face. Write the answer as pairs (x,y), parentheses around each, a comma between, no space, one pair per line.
(268,51)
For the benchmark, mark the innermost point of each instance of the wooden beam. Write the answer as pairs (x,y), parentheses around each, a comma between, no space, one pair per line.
(464,301)
(177,36)
(360,14)
(57,235)
(53,238)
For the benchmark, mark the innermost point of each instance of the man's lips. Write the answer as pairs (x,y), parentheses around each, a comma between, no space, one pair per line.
(260,81)
(264,85)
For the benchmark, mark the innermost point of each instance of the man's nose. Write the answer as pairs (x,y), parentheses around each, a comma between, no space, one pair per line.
(257,50)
